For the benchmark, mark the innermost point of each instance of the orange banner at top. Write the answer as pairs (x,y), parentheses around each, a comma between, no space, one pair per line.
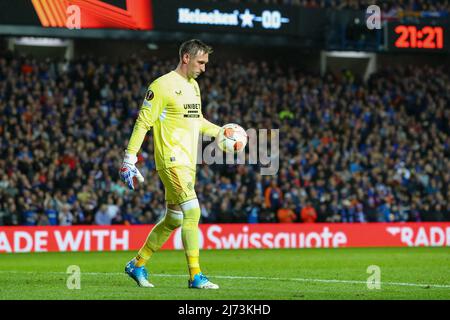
(81,14)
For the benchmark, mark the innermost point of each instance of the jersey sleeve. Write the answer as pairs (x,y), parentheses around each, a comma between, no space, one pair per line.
(209,128)
(152,106)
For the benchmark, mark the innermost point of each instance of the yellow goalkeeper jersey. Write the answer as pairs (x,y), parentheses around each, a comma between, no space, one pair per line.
(173,107)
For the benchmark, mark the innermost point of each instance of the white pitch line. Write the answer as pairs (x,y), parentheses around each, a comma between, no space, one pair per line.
(247,278)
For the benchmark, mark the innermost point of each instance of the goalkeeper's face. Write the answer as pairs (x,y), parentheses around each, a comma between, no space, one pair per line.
(197,64)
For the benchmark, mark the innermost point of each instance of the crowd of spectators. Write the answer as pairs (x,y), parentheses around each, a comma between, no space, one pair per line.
(387,6)
(349,151)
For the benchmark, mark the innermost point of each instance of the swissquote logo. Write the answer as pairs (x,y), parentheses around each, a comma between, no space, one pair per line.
(218,237)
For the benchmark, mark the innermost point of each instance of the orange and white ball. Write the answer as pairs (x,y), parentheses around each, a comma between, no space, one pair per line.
(232,138)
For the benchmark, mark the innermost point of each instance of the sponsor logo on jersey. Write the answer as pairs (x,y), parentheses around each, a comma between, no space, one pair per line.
(178,92)
(193,110)
(191,106)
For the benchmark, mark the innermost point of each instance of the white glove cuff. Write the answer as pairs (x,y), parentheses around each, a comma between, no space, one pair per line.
(130,158)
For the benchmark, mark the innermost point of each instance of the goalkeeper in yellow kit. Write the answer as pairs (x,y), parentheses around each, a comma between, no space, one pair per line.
(172,106)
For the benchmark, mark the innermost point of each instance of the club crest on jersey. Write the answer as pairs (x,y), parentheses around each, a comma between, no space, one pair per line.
(149,95)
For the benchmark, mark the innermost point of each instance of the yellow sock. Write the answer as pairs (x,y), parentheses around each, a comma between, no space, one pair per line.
(193,265)
(159,235)
(189,235)
(143,256)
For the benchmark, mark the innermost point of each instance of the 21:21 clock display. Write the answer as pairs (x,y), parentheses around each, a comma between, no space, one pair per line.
(417,37)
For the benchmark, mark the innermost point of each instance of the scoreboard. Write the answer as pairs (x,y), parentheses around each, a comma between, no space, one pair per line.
(417,37)
(206,16)
(241,22)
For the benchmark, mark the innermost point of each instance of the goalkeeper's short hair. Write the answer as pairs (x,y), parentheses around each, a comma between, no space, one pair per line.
(193,47)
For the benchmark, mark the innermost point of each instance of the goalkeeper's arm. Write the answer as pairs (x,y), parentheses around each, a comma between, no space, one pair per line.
(209,128)
(149,113)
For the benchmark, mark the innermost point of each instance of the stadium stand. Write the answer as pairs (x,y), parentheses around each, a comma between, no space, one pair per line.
(353,151)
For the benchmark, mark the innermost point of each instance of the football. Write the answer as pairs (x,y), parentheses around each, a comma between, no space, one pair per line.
(232,138)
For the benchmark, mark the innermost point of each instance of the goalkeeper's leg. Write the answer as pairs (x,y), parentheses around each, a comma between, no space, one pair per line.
(189,234)
(159,235)
(156,238)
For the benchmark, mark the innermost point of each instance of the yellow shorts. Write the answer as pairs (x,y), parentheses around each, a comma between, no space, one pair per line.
(178,184)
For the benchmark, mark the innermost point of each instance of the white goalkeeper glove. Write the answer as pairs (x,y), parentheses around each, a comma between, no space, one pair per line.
(128,171)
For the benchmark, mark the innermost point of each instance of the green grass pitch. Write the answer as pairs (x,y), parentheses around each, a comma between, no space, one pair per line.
(273,274)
